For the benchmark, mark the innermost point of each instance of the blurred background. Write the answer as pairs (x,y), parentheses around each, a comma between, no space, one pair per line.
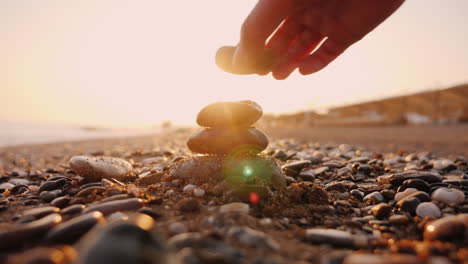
(87,69)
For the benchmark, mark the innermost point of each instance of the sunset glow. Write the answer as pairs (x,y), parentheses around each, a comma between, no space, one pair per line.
(138,63)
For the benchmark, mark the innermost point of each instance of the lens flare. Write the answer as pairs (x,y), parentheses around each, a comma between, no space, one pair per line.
(254,198)
(247,171)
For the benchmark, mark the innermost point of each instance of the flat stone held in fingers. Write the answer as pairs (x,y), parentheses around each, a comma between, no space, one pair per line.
(230,114)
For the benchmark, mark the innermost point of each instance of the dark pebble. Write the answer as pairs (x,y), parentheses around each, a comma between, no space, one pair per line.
(27,232)
(60,202)
(381,210)
(47,196)
(91,184)
(151,212)
(415,183)
(358,194)
(47,186)
(70,231)
(409,204)
(329,236)
(450,229)
(297,165)
(41,211)
(374,198)
(73,209)
(87,191)
(124,243)
(115,206)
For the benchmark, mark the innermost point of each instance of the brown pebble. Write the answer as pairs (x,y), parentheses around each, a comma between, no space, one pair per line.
(227,140)
(70,231)
(398,219)
(89,190)
(381,210)
(229,114)
(61,202)
(189,205)
(27,232)
(41,211)
(115,206)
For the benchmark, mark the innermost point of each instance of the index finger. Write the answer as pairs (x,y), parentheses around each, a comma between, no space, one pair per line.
(266,16)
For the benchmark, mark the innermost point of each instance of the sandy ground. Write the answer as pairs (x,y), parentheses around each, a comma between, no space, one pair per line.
(441,140)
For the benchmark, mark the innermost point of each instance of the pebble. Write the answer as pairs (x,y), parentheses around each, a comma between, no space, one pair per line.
(177,228)
(47,196)
(403,194)
(202,169)
(329,236)
(409,204)
(428,209)
(97,168)
(398,178)
(188,188)
(449,228)
(48,186)
(415,183)
(251,238)
(70,231)
(358,194)
(41,211)
(448,196)
(242,208)
(198,192)
(115,206)
(93,189)
(398,219)
(124,243)
(374,198)
(229,114)
(227,140)
(359,258)
(60,202)
(264,63)
(321,170)
(73,209)
(381,210)
(27,232)
(296,165)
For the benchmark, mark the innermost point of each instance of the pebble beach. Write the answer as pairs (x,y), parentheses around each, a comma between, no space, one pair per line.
(340,203)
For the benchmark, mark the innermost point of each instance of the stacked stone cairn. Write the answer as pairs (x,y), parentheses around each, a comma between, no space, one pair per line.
(230,146)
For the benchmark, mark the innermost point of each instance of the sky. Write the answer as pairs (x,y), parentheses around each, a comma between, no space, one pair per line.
(134,63)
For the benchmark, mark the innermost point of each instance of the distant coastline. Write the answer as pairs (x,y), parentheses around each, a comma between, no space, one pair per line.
(18,133)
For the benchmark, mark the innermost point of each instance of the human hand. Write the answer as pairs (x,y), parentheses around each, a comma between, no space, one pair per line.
(324,27)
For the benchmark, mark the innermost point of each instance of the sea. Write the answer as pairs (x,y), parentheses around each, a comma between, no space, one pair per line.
(18,133)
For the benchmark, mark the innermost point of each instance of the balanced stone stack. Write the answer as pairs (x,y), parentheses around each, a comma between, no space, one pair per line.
(228,129)
(230,146)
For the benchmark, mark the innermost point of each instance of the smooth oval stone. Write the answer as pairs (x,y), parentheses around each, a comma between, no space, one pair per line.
(47,196)
(398,219)
(381,210)
(449,228)
(242,208)
(227,141)
(115,206)
(409,204)
(428,209)
(24,233)
(97,168)
(356,258)
(265,63)
(236,170)
(70,231)
(448,196)
(129,242)
(93,189)
(60,202)
(329,236)
(415,183)
(398,178)
(374,198)
(73,209)
(41,211)
(403,194)
(229,114)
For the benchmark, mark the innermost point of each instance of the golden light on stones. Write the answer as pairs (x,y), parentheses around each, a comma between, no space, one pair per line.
(229,139)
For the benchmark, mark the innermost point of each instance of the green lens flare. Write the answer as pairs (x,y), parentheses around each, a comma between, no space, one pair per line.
(247,171)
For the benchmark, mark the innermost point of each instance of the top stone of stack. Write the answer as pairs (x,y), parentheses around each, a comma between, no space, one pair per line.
(229,114)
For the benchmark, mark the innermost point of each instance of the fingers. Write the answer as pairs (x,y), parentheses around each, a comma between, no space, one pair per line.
(285,35)
(305,44)
(259,25)
(325,54)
